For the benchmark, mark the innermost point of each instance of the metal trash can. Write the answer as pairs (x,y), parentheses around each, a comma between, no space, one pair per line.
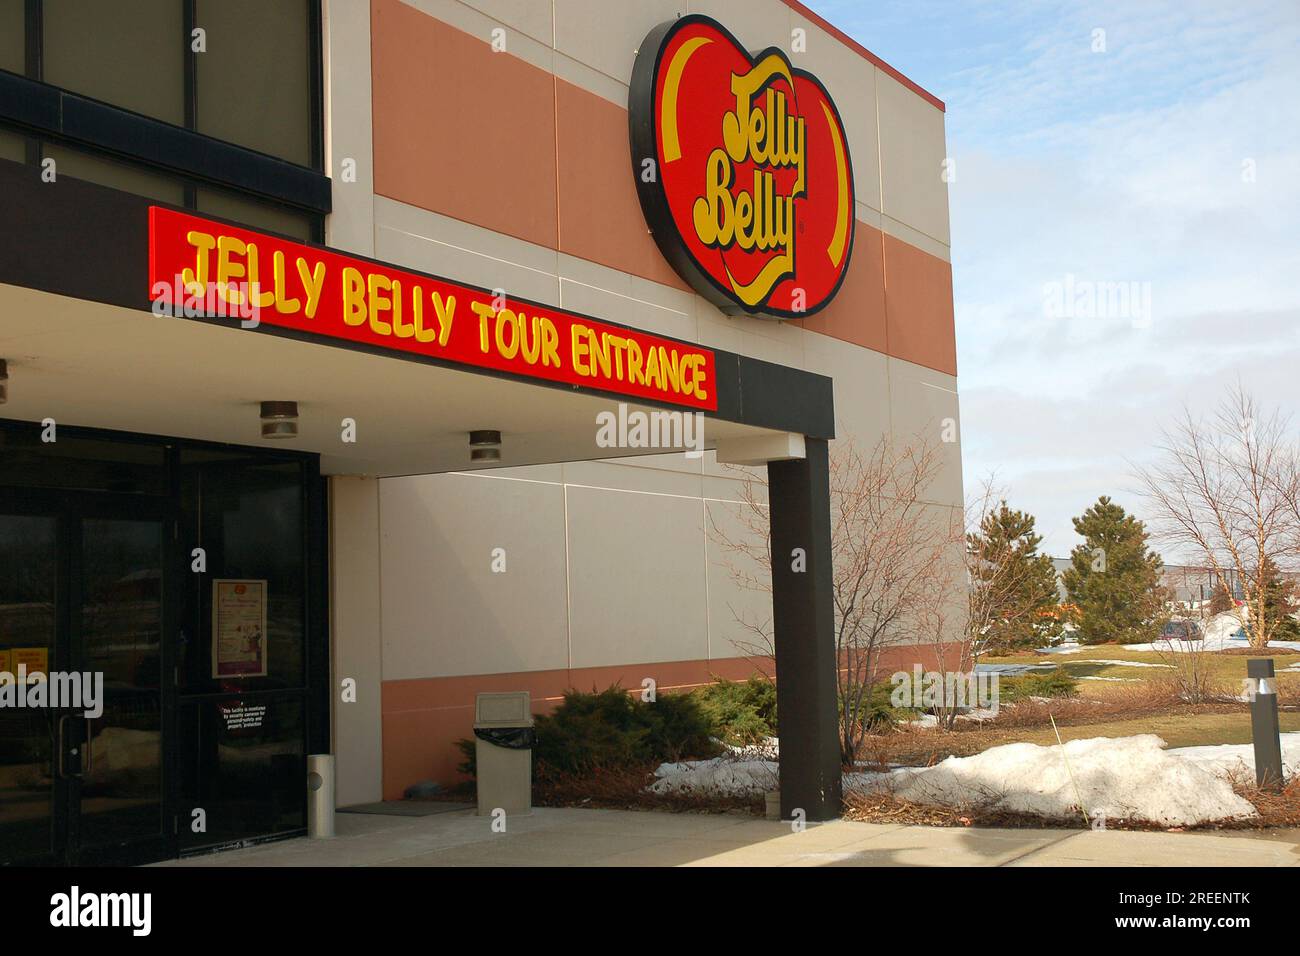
(320,796)
(503,752)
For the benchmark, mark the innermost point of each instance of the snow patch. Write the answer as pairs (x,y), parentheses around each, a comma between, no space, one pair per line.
(1125,778)
(1120,778)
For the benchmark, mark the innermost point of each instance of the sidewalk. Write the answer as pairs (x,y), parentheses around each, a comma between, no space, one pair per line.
(565,837)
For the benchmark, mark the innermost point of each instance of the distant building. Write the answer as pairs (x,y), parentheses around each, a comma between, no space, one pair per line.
(1190,584)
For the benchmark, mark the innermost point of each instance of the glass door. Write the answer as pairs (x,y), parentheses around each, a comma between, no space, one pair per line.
(32,794)
(117,790)
(81,613)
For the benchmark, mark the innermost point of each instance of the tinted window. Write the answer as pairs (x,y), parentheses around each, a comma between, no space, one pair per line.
(254,80)
(130,53)
(13,48)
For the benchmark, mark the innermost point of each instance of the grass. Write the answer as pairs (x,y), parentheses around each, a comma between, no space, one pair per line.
(1227,666)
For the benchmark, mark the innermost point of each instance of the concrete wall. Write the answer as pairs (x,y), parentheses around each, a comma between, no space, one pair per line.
(510,170)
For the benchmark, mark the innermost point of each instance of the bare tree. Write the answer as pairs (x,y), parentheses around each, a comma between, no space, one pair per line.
(887,546)
(1223,489)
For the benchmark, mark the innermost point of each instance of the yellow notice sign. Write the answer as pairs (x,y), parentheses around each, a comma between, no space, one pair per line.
(37,660)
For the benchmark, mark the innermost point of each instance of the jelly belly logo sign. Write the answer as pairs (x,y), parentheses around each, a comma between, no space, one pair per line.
(743,170)
(202,268)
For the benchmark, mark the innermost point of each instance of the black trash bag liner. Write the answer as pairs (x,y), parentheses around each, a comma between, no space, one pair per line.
(512,738)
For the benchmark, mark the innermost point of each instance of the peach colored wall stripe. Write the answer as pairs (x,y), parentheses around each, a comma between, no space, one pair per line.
(461,130)
(424,717)
(490,139)
(918,307)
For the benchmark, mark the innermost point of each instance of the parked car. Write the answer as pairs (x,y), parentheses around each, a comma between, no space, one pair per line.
(1182,631)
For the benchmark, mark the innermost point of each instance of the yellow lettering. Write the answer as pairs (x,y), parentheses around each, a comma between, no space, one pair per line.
(354,296)
(600,352)
(228,269)
(195,280)
(446,315)
(484,312)
(283,303)
(260,299)
(403,330)
(550,343)
(313,282)
(375,284)
(652,374)
(506,320)
(634,363)
(579,347)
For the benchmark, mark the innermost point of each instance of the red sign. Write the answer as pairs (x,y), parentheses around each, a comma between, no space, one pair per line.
(198,267)
(742,166)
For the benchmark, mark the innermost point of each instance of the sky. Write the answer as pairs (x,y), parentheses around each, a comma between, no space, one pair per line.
(1167,162)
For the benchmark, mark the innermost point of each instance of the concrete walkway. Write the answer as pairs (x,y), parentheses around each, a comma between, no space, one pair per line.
(554,837)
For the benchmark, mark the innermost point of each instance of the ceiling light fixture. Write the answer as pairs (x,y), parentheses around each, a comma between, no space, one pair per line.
(279,419)
(484,445)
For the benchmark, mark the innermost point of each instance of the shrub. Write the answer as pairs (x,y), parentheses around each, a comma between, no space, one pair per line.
(878,713)
(1056,683)
(612,729)
(739,712)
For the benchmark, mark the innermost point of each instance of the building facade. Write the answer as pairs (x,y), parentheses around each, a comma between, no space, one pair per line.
(356,168)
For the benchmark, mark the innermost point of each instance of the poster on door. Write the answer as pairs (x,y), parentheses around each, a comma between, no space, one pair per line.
(238,628)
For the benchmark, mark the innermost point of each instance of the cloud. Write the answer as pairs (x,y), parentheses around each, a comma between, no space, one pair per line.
(1171,160)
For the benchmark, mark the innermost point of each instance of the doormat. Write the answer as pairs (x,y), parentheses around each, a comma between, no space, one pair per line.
(407,808)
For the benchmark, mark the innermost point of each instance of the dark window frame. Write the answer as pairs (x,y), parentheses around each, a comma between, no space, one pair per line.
(44,112)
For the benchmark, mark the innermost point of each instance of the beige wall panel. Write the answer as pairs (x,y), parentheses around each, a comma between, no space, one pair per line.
(862,394)
(530,17)
(604,35)
(923,402)
(418,239)
(740,598)
(676,319)
(636,578)
(912,150)
(445,611)
(631,477)
(851,80)
(756,23)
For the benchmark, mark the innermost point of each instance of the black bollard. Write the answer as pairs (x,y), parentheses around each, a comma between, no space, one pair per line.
(1264,727)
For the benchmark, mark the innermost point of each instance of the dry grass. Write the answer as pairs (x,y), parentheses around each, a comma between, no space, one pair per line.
(1276,808)
(1252,652)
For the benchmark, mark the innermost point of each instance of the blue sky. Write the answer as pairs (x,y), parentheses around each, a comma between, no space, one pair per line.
(1170,162)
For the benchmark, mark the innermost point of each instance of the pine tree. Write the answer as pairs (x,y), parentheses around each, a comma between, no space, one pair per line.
(1277,603)
(1020,582)
(1114,578)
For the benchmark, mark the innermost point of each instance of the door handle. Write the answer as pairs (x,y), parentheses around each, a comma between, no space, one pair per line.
(63,750)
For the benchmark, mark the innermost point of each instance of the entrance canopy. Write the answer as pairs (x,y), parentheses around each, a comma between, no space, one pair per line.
(86,363)
(84,347)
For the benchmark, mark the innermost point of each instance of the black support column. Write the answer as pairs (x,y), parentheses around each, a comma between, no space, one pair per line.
(803,620)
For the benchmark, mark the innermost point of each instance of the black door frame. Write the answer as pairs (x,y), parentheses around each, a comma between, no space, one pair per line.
(68,507)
